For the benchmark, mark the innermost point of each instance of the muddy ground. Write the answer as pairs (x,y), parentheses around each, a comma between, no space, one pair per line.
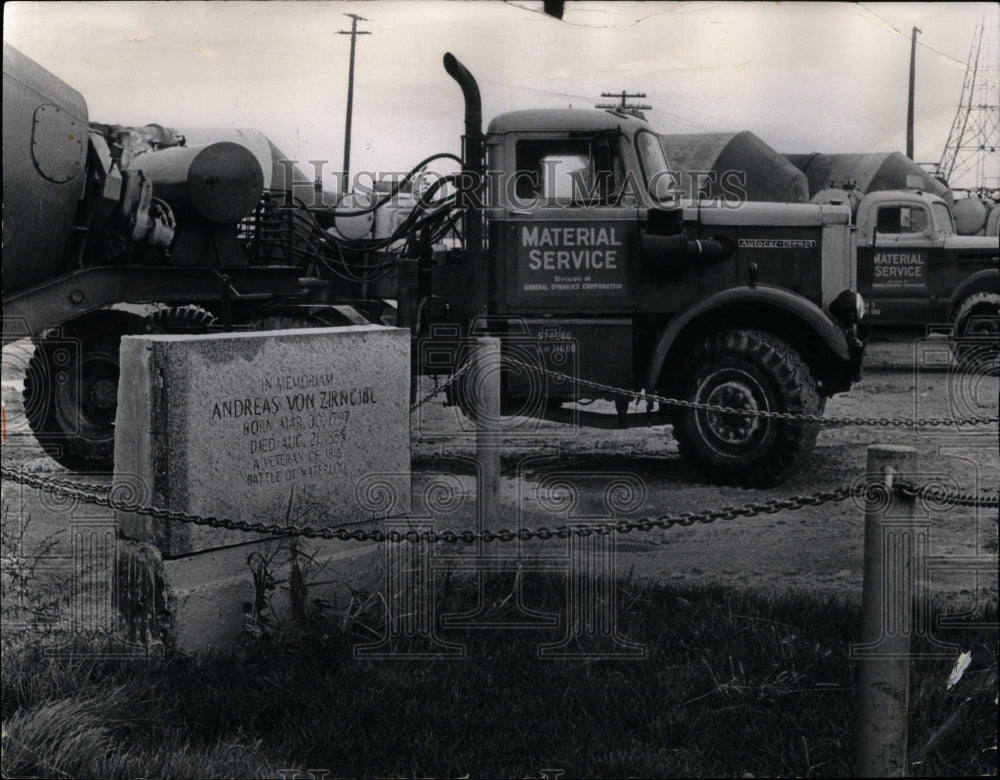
(817,548)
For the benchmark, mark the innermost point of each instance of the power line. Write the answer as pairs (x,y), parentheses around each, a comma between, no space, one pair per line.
(896,30)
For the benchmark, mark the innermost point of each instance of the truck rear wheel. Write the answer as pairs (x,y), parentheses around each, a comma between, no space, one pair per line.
(71,390)
(753,371)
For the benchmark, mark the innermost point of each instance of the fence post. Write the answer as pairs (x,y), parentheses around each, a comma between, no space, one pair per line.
(883,655)
(486,396)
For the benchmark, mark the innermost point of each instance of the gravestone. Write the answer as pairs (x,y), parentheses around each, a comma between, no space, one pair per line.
(305,427)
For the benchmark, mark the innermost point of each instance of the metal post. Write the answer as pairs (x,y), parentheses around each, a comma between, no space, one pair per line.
(486,396)
(480,391)
(883,654)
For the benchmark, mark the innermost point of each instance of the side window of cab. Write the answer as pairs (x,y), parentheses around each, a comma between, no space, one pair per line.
(566,171)
(902,220)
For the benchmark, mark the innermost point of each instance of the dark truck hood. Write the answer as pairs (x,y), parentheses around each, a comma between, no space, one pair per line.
(975,245)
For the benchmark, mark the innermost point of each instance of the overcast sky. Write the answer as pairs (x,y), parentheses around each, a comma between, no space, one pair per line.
(827,77)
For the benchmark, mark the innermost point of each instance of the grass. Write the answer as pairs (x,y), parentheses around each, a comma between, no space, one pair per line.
(733,683)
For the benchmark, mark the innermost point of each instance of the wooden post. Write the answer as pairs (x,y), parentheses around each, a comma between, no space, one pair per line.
(486,397)
(883,654)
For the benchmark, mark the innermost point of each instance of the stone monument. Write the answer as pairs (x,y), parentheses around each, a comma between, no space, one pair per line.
(278,427)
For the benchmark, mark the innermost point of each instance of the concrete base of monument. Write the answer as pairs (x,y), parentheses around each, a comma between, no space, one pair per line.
(220,599)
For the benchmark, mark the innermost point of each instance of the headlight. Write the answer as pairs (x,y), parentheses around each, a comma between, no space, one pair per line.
(848,307)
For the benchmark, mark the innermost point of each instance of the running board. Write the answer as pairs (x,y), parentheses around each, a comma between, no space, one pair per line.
(585,419)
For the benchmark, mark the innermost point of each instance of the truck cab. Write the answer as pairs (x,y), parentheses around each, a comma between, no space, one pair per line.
(913,269)
(584,220)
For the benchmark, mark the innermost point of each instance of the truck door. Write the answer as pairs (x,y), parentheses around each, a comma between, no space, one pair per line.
(899,268)
(565,243)
(565,246)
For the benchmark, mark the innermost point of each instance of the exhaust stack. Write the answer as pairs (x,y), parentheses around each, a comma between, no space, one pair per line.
(473,113)
(472,181)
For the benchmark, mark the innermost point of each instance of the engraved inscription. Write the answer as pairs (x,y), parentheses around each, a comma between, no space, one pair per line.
(295,428)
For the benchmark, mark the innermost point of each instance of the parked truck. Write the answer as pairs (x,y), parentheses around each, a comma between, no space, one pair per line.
(560,234)
(915,271)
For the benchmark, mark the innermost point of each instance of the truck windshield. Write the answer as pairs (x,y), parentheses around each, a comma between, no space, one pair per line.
(659,181)
(942,220)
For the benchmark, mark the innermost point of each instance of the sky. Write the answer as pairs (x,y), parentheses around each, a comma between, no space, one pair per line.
(804,77)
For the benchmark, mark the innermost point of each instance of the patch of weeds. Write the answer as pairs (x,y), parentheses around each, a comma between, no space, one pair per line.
(288,612)
(951,700)
(33,597)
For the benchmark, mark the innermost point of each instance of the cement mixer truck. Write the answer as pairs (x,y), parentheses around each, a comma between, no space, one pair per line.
(915,271)
(559,233)
(112,230)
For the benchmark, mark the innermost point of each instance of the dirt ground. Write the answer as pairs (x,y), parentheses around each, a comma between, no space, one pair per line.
(817,548)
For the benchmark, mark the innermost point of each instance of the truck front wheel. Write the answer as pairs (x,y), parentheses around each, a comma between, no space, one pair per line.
(751,371)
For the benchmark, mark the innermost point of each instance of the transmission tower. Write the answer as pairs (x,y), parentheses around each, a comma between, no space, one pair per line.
(971,159)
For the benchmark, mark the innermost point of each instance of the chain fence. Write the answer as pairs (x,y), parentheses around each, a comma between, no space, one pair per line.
(440,388)
(101,494)
(680,403)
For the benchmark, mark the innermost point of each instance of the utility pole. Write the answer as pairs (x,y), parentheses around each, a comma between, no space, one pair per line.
(624,106)
(909,104)
(353,32)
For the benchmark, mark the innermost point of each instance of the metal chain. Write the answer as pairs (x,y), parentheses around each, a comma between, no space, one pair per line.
(103,498)
(71,484)
(787,416)
(443,386)
(936,494)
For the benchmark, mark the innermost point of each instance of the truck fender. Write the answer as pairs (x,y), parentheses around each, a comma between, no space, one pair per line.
(987,280)
(794,306)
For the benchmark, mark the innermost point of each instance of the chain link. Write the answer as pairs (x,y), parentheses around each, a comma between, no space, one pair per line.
(831,422)
(936,494)
(100,495)
(443,386)
(898,422)
(72,484)
(104,498)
